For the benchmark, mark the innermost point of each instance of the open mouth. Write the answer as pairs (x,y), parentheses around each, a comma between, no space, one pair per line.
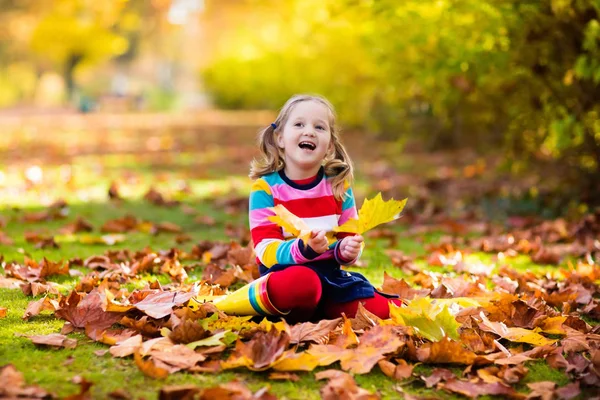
(307,146)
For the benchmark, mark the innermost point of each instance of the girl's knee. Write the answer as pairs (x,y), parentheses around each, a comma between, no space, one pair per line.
(296,286)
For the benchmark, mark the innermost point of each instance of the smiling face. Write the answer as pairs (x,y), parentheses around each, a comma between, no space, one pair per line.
(305,139)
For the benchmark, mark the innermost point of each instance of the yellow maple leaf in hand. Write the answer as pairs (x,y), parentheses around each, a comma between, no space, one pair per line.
(372,213)
(290,222)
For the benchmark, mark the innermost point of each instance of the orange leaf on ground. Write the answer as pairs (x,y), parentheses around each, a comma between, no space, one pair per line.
(445,351)
(148,367)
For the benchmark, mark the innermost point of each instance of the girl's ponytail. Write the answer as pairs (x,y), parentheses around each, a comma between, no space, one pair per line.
(270,158)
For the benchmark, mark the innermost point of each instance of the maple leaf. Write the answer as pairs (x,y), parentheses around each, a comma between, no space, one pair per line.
(87,312)
(260,352)
(291,223)
(373,212)
(427,317)
(309,332)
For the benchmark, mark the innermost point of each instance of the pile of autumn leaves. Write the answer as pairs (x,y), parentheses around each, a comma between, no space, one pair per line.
(458,320)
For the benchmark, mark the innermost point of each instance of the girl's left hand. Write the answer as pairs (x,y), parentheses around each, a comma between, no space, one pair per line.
(350,247)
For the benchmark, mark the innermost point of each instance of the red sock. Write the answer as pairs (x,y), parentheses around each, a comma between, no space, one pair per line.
(378,305)
(297,289)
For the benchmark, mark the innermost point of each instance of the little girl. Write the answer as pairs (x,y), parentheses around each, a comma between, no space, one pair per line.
(304,166)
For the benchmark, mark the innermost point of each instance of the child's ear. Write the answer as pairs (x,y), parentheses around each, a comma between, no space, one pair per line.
(279,140)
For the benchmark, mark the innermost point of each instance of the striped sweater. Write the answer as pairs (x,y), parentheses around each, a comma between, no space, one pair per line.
(313,202)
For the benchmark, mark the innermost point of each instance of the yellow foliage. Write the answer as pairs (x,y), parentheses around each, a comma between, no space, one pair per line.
(291,223)
(373,212)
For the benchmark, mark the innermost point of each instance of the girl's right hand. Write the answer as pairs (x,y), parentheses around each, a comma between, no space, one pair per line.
(318,242)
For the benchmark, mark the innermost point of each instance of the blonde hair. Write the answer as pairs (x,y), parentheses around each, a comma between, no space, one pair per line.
(337,165)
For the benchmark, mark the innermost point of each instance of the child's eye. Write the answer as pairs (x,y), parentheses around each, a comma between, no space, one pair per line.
(320,127)
(298,124)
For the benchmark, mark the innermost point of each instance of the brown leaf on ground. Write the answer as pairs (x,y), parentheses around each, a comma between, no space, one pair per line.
(84,389)
(160,304)
(342,385)
(541,390)
(37,306)
(54,340)
(3,312)
(364,319)
(156,198)
(37,288)
(126,347)
(401,288)
(12,385)
(175,358)
(5,239)
(374,344)
(235,391)
(438,375)
(33,271)
(260,352)
(445,351)
(125,224)
(284,376)
(79,225)
(214,274)
(399,371)
(480,388)
(165,227)
(40,241)
(86,312)
(315,333)
(113,192)
(186,330)
(179,392)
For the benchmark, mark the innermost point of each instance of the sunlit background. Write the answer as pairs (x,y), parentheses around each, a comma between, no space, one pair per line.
(502,88)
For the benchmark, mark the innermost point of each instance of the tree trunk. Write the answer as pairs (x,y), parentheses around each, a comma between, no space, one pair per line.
(70,65)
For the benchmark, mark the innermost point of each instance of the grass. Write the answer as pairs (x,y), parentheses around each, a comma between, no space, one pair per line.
(86,194)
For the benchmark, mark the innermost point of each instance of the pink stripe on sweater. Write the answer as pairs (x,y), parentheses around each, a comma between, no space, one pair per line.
(259,216)
(284,192)
(347,214)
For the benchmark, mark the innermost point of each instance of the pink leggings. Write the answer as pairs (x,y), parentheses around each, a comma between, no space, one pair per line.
(298,289)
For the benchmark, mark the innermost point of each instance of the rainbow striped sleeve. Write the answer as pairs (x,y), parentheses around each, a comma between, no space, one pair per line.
(348,212)
(270,245)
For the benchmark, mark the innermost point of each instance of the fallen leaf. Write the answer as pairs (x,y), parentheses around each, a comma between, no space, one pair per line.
(54,340)
(310,332)
(341,385)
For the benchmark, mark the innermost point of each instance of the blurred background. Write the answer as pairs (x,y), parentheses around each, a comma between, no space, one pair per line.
(487,102)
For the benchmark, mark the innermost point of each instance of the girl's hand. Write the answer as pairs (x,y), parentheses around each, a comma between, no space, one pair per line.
(350,247)
(318,242)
